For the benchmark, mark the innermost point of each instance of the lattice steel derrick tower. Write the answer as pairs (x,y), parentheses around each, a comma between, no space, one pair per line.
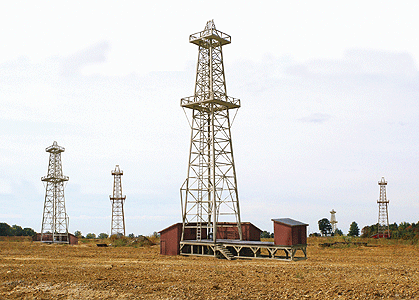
(333,220)
(117,199)
(210,189)
(55,219)
(383,225)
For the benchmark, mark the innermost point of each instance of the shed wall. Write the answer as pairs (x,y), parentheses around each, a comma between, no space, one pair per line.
(73,239)
(282,234)
(249,232)
(289,235)
(170,240)
(253,234)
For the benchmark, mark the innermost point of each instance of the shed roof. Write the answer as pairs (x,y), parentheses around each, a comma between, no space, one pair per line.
(289,222)
(170,227)
(220,223)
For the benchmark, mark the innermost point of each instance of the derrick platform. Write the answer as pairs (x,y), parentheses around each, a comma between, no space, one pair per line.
(233,249)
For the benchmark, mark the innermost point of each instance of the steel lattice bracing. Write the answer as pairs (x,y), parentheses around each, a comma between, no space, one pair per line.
(333,220)
(383,225)
(117,199)
(55,219)
(210,189)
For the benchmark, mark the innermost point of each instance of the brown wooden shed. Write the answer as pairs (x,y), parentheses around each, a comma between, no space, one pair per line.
(170,239)
(289,232)
(170,236)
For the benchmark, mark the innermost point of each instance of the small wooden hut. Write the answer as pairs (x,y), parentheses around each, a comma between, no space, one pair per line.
(289,232)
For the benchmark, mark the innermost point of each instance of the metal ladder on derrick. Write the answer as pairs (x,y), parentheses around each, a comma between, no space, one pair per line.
(200,185)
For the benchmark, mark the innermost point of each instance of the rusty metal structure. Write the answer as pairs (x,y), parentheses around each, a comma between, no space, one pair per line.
(383,224)
(117,199)
(210,189)
(55,219)
(333,220)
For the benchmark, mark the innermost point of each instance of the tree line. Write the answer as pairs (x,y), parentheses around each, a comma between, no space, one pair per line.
(103,235)
(90,235)
(405,230)
(15,230)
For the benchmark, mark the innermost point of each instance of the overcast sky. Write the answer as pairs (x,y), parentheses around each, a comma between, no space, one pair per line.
(329,94)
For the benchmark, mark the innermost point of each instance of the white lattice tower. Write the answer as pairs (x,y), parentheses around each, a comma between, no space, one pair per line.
(55,219)
(333,220)
(383,224)
(210,189)
(117,199)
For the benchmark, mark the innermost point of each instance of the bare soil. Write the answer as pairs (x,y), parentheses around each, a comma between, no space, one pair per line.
(32,270)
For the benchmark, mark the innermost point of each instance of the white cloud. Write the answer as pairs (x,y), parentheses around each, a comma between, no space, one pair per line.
(316,118)
(75,63)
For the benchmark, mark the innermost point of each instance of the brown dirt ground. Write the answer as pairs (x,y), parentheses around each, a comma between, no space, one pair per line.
(31,270)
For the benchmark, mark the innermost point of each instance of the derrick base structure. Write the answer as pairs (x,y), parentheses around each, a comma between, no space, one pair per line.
(232,249)
(290,242)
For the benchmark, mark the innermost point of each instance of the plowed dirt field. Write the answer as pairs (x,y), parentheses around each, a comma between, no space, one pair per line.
(31,270)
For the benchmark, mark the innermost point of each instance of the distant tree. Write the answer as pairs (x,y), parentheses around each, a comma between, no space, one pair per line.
(394,227)
(265,234)
(131,235)
(365,232)
(4,229)
(28,232)
(90,236)
(338,232)
(353,229)
(156,234)
(103,235)
(403,226)
(17,230)
(325,227)
(368,231)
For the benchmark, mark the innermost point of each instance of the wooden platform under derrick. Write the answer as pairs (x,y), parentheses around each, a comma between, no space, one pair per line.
(232,249)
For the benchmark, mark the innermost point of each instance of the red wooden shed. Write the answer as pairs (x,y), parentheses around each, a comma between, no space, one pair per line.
(73,240)
(289,232)
(170,236)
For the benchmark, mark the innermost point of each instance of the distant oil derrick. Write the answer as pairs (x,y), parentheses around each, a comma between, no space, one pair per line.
(333,220)
(117,199)
(383,225)
(55,220)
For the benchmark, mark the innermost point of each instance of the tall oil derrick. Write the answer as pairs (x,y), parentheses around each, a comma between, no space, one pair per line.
(55,219)
(383,225)
(117,199)
(210,189)
(333,220)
